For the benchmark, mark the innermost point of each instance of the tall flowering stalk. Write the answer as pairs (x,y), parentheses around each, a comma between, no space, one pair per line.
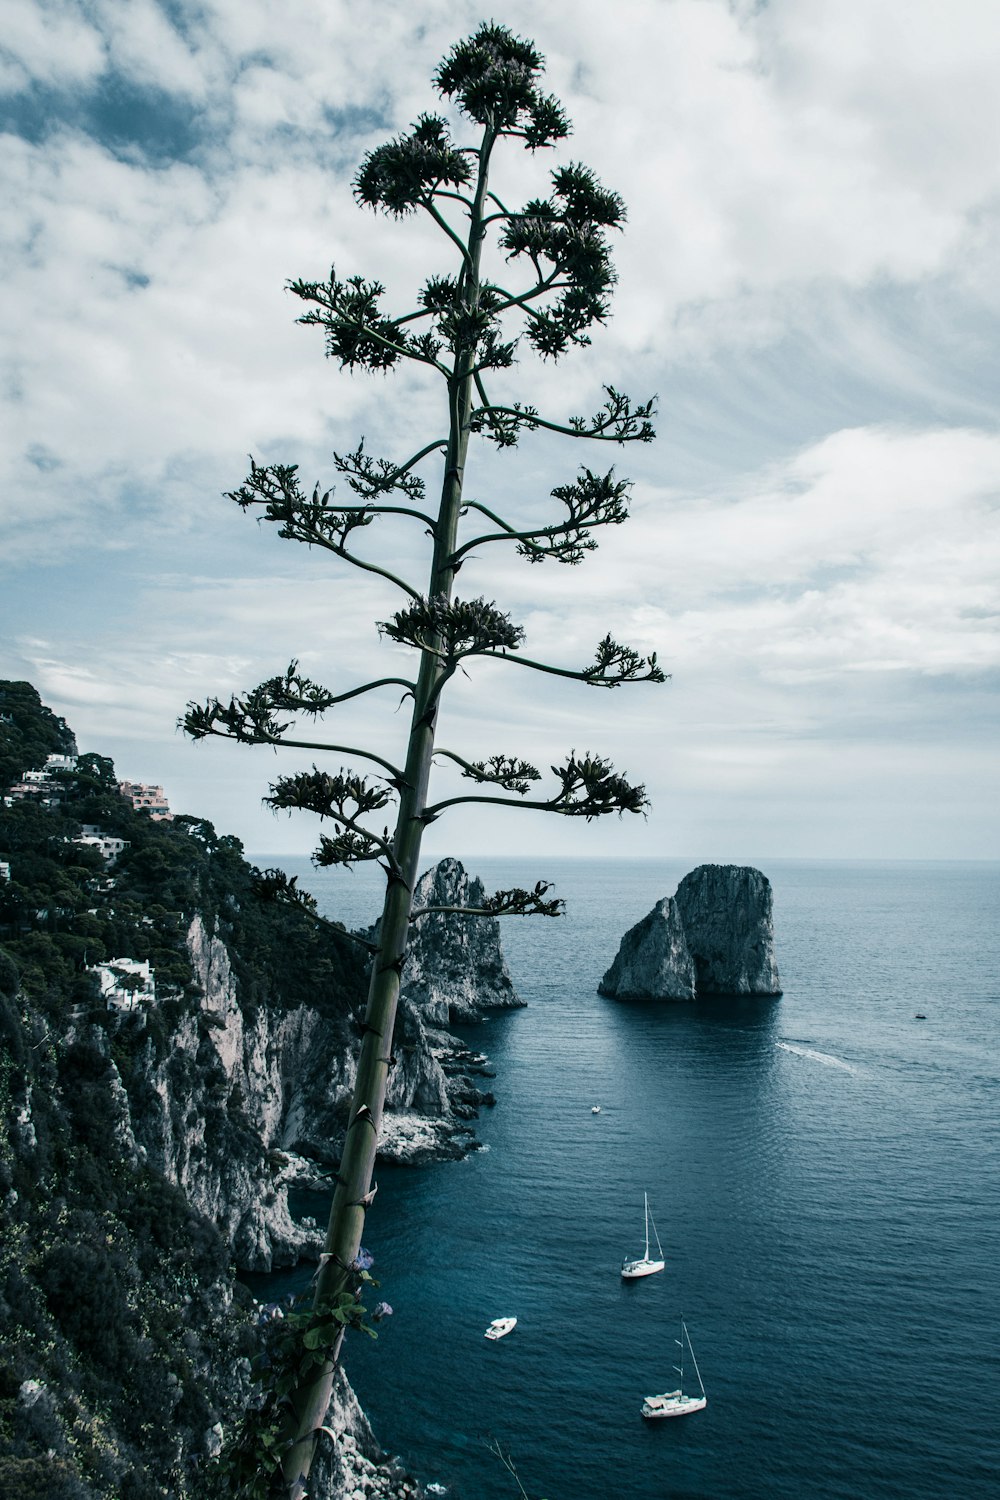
(465,327)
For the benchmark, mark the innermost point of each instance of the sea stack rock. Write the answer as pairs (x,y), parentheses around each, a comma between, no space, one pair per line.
(726,912)
(653,962)
(454,968)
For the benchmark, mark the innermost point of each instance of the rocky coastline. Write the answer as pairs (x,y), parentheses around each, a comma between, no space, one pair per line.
(149,1141)
(237,1106)
(290,1075)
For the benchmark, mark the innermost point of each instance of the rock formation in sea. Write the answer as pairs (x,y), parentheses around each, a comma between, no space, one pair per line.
(454,968)
(727,912)
(653,962)
(714,937)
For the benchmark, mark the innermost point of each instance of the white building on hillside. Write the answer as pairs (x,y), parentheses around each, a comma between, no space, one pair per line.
(60,763)
(125,982)
(109,844)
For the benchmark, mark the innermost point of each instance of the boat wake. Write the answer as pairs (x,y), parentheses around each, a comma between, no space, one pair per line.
(820,1057)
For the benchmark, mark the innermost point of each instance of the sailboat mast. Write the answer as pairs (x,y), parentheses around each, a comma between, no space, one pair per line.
(645,1201)
(694,1360)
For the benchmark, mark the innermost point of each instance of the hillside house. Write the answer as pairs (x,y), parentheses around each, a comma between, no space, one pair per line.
(147,799)
(109,845)
(126,983)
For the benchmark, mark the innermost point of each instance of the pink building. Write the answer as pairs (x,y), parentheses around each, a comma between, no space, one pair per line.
(147,799)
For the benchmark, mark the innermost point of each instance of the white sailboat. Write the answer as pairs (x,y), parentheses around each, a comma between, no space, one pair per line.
(644,1265)
(675,1403)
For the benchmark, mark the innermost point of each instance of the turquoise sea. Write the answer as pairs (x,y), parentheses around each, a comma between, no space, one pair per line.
(825,1174)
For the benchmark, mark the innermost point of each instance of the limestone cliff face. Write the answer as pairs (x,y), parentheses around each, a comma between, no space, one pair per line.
(455,969)
(715,937)
(197,1326)
(727,912)
(213,1113)
(247,1101)
(653,961)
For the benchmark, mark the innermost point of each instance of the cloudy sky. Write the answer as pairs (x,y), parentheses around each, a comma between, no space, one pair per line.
(807,280)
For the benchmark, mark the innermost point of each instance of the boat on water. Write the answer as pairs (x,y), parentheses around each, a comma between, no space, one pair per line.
(676,1403)
(500,1327)
(595,1109)
(645,1264)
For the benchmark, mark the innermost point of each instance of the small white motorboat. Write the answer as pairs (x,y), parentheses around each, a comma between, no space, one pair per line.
(595,1109)
(500,1327)
(645,1264)
(676,1403)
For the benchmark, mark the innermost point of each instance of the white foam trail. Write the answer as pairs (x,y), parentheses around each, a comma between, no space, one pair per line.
(820,1057)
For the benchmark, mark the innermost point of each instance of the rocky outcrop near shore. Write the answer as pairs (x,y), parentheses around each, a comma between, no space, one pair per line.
(653,962)
(454,969)
(355,1465)
(248,1102)
(714,937)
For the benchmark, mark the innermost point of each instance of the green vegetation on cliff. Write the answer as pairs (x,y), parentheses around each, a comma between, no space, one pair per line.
(123,1338)
(28,732)
(64,909)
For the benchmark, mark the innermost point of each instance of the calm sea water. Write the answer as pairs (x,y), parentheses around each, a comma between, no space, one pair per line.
(823,1170)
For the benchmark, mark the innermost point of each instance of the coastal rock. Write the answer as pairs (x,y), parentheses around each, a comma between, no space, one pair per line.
(454,968)
(251,1100)
(353,1463)
(727,914)
(153,1282)
(213,1112)
(653,962)
(714,937)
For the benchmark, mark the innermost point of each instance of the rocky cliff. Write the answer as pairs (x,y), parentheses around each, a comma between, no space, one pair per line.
(454,968)
(715,937)
(125,1344)
(146,1152)
(251,1100)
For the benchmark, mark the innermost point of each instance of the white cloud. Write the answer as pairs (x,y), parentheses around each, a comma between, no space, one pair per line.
(807,276)
(48,43)
(874,550)
(144,45)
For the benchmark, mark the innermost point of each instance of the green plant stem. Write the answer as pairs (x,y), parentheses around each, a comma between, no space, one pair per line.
(347,1215)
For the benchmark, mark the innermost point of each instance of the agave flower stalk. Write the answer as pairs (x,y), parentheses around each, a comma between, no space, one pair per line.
(465,327)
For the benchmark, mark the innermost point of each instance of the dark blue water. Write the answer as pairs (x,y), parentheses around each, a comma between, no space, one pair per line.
(824,1173)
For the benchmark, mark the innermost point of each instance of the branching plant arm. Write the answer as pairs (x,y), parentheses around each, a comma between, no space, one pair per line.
(652,673)
(442,223)
(276,887)
(199,728)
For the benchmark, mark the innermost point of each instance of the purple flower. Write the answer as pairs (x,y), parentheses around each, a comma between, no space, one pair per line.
(383,1310)
(363,1261)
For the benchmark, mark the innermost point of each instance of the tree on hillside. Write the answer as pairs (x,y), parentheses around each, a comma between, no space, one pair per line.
(550,285)
(29,732)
